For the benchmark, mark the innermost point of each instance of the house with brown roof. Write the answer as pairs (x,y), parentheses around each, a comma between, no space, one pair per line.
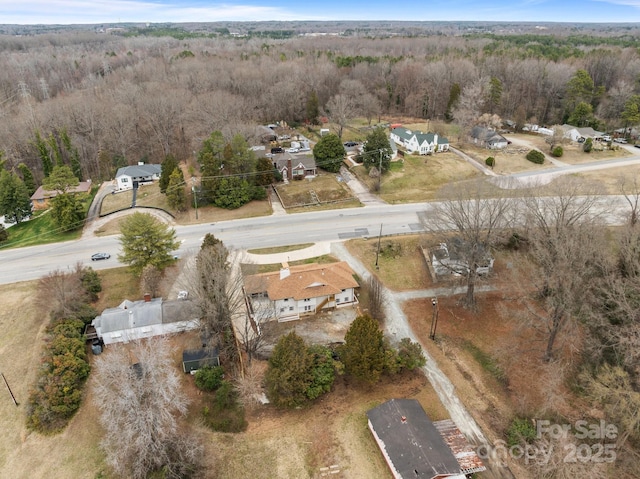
(296,291)
(40,199)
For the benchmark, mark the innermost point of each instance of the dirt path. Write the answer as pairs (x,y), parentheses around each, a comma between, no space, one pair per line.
(398,327)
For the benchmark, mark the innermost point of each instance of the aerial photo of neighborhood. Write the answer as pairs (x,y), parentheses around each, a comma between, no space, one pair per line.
(281,241)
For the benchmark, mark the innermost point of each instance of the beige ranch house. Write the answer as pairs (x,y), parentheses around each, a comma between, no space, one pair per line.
(297,291)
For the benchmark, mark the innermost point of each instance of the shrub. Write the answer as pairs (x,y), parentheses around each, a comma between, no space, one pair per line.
(536,156)
(209,378)
(521,430)
(557,151)
(490,162)
(58,392)
(588,145)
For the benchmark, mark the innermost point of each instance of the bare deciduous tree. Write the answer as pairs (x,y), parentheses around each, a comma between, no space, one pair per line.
(150,280)
(61,292)
(565,244)
(140,398)
(471,214)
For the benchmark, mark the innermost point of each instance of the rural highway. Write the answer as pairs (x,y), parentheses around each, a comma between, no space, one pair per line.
(33,262)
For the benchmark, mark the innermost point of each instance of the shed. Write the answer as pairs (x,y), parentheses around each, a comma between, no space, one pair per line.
(194,359)
(412,445)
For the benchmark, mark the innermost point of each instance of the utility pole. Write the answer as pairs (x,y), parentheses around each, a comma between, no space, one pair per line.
(378,251)
(380,172)
(434,319)
(195,196)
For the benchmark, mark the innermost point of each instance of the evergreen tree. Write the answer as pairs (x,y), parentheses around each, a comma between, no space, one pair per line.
(265,172)
(454,97)
(67,211)
(289,374)
(176,196)
(377,150)
(27,177)
(363,353)
(329,153)
(211,162)
(145,240)
(313,110)
(60,179)
(495,94)
(169,164)
(43,153)
(15,201)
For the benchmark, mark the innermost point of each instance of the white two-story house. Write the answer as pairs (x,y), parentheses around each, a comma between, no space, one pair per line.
(419,142)
(296,291)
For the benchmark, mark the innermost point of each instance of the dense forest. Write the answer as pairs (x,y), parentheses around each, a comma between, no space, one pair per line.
(144,93)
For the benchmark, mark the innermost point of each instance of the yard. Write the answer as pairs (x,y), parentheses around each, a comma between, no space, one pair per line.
(285,444)
(317,191)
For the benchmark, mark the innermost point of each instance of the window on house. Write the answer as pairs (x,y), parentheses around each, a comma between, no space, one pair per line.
(282,310)
(307,308)
(290,308)
(306,300)
(286,299)
(125,180)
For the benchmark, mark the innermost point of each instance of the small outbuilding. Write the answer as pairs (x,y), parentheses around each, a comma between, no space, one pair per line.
(194,359)
(413,446)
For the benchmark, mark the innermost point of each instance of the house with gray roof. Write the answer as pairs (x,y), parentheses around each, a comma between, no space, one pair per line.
(416,448)
(138,174)
(419,142)
(295,167)
(488,138)
(133,320)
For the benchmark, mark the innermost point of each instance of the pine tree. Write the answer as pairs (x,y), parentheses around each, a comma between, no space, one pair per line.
(176,196)
(363,353)
(289,374)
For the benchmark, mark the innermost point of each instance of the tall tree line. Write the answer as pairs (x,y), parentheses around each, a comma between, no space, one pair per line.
(123,99)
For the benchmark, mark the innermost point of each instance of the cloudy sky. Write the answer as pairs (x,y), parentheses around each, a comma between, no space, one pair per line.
(159,11)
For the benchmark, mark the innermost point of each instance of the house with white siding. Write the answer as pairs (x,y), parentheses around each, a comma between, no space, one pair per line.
(134,320)
(419,142)
(138,174)
(297,291)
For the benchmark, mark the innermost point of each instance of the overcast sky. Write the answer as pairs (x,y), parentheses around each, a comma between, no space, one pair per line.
(177,11)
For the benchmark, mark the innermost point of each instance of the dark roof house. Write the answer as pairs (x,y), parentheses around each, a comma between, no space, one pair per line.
(489,138)
(412,445)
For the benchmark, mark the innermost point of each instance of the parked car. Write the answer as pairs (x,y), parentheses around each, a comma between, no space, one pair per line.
(637,146)
(293,150)
(277,150)
(620,140)
(350,144)
(99,256)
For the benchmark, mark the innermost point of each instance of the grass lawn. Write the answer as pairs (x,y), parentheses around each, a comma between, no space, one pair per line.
(400,263)
(418,178)
(148,195)
(41,229)
(324,188)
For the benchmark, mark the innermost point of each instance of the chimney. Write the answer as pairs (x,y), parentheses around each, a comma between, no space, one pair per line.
(403,419)
(284,271)
(147,297)
(289,172)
